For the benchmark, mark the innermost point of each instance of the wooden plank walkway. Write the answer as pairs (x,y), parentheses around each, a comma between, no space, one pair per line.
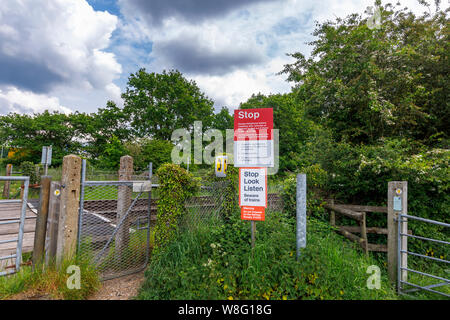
(11,211)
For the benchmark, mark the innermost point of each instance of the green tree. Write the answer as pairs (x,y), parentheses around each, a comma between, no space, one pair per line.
(30,132)
(98,129)
(223,120)
(159,103)
(367,83)
(145,151)
(110,157)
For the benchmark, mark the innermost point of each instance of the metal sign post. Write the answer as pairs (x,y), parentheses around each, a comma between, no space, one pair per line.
(301,212)
(254,153)
(46,159)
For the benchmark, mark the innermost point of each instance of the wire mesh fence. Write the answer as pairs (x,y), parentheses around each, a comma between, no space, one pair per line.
(208,205)
(117,218)
(114,223)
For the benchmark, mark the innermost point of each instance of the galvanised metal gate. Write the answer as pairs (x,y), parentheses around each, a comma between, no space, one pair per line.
(403,269)
(114,224)
(16,217)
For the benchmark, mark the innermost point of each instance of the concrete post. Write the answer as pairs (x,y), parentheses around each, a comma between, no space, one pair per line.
(123,203)
(397,204)
(68,213)
(301,212)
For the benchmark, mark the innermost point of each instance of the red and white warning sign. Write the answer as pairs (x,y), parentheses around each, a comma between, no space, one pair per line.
(253,138)
(253,193)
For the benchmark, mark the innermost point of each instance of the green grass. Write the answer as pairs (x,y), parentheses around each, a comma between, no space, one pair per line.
(51,281)
(431,267)
(216,261)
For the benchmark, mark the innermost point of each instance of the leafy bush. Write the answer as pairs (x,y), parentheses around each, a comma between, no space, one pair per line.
(360,174)
(217,262)
(110,158)
(29,169)
(145,151)
(176,185)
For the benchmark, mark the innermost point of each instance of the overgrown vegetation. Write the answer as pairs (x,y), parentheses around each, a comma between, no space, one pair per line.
(176,185)
(51,282)
(216,261)
(370,105)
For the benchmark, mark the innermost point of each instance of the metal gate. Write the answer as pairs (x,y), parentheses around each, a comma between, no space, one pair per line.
(114,224)
(14,217)
(404,286)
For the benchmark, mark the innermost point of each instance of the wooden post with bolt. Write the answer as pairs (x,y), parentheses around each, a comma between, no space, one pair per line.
(41,221)
(51,238)
(397,204)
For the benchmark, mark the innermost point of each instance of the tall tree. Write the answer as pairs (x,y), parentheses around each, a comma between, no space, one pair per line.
(223,120)
(370,81)
(31,132)
(97,130)
(159,103)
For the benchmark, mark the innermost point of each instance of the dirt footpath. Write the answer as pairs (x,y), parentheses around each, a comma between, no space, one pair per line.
(123,288)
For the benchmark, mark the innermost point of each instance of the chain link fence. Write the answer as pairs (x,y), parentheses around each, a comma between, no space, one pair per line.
(117,220)
(114,222)
(207,206)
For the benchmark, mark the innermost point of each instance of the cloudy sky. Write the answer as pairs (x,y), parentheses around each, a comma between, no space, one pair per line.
(75,55)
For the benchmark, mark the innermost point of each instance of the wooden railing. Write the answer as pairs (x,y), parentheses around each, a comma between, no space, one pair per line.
(358,213)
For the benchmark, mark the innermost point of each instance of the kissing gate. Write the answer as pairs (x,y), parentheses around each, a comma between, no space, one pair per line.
(114,222)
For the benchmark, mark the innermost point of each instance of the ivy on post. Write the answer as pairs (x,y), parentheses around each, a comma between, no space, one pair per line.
(176,185)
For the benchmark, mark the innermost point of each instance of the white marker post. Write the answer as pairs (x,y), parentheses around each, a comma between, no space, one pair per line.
(46,159)
(301,212)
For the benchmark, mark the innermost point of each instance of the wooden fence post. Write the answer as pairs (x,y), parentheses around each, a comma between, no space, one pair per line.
(363,226)
(52,222)
(332,214)
(68,213)
(41,221)
(7,183)
(123,203)
(397,204)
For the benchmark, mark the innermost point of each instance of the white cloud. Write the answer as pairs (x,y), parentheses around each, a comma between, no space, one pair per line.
(49,46)
(15,100)
(263,30)
(236,87)
(60,52)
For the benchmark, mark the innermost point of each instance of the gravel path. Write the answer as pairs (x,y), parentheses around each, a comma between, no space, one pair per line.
(124,288)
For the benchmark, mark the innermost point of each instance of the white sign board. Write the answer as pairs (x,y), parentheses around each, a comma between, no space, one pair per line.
(46,156)
(253,187)
(253,138)
(144,186)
